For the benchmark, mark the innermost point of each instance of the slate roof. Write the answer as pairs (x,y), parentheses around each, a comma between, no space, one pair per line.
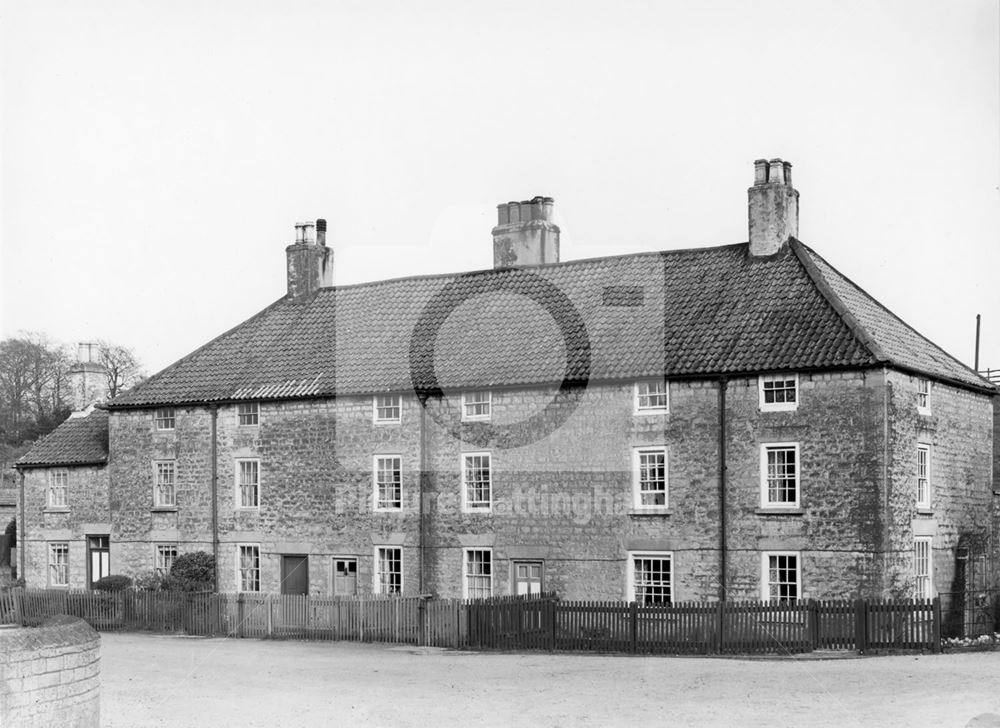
(680,313)
(77,441)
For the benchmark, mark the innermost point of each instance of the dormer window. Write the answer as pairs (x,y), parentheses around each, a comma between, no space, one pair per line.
(477,405)
(779,392)
(248,414)
(164,418)
(924,396)
(651,396)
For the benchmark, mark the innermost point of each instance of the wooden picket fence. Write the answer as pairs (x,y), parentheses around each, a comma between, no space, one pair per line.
(539,622)
(750,627)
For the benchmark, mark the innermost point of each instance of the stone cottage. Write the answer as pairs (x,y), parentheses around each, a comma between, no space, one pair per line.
(732,422)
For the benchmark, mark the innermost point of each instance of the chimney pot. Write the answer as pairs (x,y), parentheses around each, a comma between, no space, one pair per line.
(503,216)
(321,231)
(777,173)
(760,172)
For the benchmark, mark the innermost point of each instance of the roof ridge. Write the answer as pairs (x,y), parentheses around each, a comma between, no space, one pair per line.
(542,266)
(852,323)
(903,323)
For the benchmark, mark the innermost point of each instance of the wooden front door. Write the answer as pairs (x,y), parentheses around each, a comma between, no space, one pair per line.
(345,577)
(294,574)
(98,558)
(527,577)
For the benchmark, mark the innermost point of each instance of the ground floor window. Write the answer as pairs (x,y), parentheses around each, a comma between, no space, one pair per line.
(388,570)
(923,583)
(164,556)
(478,581)
(781,577)
(527,577)
(249,568)
(58,564)
(651,577)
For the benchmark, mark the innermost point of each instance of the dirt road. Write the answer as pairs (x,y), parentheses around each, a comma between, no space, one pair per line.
(154,680)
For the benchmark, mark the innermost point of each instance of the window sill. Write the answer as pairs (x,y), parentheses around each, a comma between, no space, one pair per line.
(643,512)
(388,510)
(56,509)
(163,509)
(383,423)
(780,512)
(925,512)
(773,408)
(657,411)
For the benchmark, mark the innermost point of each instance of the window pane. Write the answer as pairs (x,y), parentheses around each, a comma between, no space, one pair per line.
(477,481)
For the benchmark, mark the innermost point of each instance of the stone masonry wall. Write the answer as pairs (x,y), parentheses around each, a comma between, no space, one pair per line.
(959,430)
(86,513)
(562,495)
(50,675)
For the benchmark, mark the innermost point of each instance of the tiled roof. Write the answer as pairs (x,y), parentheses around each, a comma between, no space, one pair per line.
(77,441)
(679,313)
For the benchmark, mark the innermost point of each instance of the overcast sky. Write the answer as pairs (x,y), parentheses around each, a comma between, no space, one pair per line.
(155,156)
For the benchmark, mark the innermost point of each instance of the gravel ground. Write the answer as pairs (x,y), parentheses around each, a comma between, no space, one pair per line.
(157,680)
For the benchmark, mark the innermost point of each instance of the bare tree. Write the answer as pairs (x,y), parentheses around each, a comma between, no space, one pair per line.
(122,368)
(31,373)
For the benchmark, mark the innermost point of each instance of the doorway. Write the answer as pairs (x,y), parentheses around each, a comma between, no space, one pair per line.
(294,574)
(98,558)
(527,577)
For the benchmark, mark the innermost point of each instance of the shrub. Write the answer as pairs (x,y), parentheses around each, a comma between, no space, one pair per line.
(11,531)
(113,583)
(148,581)
(194,571)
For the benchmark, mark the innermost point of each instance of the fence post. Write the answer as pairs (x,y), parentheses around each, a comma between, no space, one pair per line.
(813,625)
(720,621)
(634,624)
(270,614)
(239,614)
(936,633)
(422,622)
(860,625)
(19,605)
(551,609)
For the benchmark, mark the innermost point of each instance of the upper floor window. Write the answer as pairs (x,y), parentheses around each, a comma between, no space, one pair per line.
(778,392)
(650,577)
(165,492)
(923,396)
(248,413)
(649,477)
(164,418)
(923,476)
(923,568)
(248,483)
(58,487)
(477,405)
(478,581)
(248,565)
(388,488)
(651,396)
(779,475)
(387,408)
(477,488)
(781,579)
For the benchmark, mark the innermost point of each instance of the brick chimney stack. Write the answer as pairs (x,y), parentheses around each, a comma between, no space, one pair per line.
(774,207)
(310,262)
(525,234)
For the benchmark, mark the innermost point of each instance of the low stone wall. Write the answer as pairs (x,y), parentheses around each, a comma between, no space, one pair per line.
(50,675)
